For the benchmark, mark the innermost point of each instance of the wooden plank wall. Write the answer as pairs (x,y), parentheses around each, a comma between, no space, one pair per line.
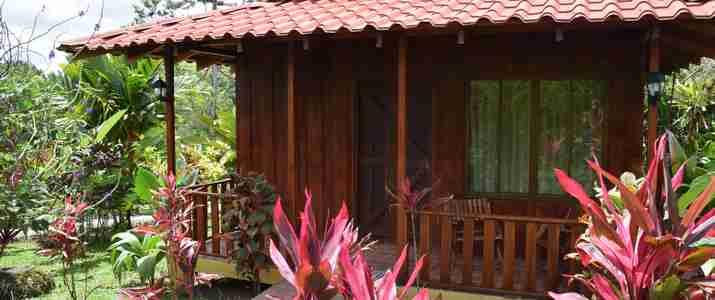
(530,56)
(438,71)
(262,110)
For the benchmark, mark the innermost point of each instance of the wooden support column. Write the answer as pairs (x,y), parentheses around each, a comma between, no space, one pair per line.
(292,160)
(236,87)
(169,110)
(653,66)
(401,143)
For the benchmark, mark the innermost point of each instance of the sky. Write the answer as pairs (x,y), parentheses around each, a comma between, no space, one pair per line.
(21,14)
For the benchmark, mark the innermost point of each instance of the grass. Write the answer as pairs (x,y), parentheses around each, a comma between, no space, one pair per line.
(98,268)
(97,263)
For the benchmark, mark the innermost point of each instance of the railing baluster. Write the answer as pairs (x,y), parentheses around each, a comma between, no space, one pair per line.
(445,249)
(425,243)
(201,225)
(530,256)
(468,250)
(552,263)
(574,233)
(215,223)
(488,253)
(509,255)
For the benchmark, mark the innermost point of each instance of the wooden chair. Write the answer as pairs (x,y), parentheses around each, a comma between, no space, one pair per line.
(471,207)
(564,234)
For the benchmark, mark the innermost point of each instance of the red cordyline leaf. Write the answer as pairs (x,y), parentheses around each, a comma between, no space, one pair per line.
(604,288)
(314,260)
(567,296)
(639,213)
(359,282)
(572,187)
(412,200)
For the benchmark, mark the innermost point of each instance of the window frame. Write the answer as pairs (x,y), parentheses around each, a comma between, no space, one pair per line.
(534,136)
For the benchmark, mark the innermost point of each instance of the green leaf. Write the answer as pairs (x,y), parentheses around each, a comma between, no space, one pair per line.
(667,289)
(705,242)
(697,186)
(144,183)
(146,266)
(108,124)
(126,238)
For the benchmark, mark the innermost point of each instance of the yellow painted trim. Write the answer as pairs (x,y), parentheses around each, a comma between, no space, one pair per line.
(227,268)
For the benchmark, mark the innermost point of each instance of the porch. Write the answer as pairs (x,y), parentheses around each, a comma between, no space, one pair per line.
(482,253)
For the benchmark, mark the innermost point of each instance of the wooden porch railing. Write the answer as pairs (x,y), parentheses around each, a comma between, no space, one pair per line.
(513,254)
(207,219)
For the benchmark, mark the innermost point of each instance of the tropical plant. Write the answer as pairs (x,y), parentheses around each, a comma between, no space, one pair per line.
(646,249)
(248,218)
(68,245)
(132,253)
(357,281)
(172,222)
(335,264)
(414,200)
(314,260)
(693,102)
(114,96)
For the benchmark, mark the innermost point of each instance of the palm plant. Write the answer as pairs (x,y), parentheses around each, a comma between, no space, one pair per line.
(106,85)
(645,249)
(110,90)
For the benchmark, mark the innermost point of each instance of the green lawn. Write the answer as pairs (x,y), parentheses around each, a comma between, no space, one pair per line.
(96,262)
(99,274)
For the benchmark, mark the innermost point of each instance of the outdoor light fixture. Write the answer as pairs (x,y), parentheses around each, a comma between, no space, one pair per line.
(159,87)
(656,82)
(559,35)
(460,37)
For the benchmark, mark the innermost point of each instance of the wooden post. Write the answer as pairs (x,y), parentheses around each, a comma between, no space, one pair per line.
(292,184)
(236,87)
(653,66)
(169,102)
(401,143)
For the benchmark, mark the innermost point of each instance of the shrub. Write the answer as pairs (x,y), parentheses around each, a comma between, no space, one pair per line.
(645,248)
(323,267)
(248,217)
(22,283)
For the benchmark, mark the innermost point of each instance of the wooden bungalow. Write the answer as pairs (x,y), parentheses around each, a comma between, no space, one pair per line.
(344,97)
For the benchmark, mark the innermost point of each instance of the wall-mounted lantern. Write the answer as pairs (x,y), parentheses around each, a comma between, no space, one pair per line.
(656,83)
(159,87)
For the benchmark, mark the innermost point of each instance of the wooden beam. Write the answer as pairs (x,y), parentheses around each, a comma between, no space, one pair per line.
(213,52)
(401,143)
(653,66)
(169,104)
(292,191)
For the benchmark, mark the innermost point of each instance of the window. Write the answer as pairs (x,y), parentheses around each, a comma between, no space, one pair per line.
(562,118)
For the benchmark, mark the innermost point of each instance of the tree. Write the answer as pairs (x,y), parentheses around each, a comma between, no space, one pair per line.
(148,10)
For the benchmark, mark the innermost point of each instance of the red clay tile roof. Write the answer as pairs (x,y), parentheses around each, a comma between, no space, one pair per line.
(308,16)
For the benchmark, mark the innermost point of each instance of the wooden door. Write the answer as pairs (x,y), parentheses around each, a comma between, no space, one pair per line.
(375,132)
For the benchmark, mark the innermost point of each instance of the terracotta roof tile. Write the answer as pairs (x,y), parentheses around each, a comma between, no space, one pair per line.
(308,16)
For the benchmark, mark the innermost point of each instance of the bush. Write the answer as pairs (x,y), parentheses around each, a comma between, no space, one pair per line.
(22,283)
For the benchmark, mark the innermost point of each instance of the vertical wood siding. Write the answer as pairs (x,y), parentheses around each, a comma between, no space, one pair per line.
(438,72)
